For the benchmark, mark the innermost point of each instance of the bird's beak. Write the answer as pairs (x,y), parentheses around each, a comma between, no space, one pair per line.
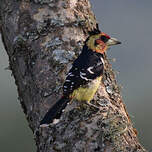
(112,41)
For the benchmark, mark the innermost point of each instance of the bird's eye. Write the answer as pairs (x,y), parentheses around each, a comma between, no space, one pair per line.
(104,39)
(95,43)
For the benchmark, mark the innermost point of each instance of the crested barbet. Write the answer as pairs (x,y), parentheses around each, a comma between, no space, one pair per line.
(84,77)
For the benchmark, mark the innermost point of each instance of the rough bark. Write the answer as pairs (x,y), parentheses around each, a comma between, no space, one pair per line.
(42,38)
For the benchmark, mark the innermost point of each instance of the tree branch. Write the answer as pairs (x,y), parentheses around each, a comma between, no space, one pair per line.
(42,38)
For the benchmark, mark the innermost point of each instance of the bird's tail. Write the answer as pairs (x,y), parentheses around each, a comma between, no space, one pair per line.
(54,112)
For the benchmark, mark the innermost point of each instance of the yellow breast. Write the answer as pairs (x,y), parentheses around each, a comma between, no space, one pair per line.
(86,93)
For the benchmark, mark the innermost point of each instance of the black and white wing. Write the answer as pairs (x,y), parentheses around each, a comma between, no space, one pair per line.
(82,73)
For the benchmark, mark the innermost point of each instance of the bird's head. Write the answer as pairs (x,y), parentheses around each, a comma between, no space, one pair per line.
(99,42)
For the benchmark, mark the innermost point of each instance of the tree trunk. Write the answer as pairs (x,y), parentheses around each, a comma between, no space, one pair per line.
(42,38)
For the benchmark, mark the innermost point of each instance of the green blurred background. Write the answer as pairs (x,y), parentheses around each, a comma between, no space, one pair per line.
(129,21)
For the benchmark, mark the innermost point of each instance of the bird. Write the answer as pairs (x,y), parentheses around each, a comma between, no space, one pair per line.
(85,75)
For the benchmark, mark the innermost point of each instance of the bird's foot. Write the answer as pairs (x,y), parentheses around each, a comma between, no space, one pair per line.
(92,105)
